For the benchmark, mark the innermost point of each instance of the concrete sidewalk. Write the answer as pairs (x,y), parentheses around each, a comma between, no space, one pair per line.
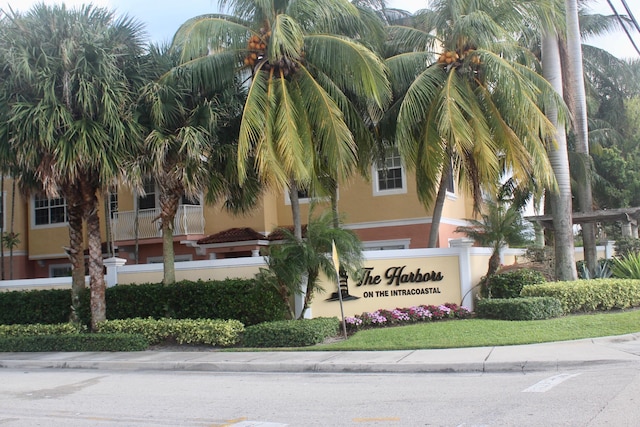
(525,358)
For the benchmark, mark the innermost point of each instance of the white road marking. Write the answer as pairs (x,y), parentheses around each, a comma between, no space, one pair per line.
(257,424)
(549,383)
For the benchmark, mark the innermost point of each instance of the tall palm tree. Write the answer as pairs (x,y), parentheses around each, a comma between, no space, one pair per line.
(72,79)
(303,62)
(578,105)
(186,148)
(469,98)
(560,200)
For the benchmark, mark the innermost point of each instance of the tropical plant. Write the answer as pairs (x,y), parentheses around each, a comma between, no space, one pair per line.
(71,80)
(304,63)
(501,225)
(310,256)
(184,151)
(627,267)
(469,98)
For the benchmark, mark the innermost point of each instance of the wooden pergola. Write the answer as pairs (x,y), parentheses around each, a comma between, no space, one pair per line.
(627,217)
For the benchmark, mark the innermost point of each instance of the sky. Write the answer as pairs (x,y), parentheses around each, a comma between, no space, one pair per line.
(163,17)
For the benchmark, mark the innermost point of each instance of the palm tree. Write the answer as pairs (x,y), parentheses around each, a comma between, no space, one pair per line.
(186,148)
(501,225)
(303,63)
(71,80)
(311,255)
(560,200)
(469,98)
(578,106)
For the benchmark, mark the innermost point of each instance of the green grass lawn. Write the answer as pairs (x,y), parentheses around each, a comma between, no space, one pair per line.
(483,332)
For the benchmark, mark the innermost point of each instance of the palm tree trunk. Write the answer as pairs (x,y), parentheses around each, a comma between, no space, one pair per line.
(136,231)
(558,157)
(578,106)
(96,265)
(106,200)
(334,204)
(168,207)
(2,227)
(75,254)
(300,299)
(12,227)
(295,209)
(438,207)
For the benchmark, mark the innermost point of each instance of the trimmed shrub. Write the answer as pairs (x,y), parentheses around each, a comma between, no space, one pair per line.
(626,246)
(533,308)
(37,329)
(509,284)
(291,333)
(184,331)
(74,342)
(240,299)
(35,306)
(590,295)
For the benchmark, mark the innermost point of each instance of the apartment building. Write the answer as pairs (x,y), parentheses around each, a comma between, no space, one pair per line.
(384,212)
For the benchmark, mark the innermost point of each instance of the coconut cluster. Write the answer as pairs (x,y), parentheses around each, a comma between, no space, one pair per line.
(449,57)
(256,47)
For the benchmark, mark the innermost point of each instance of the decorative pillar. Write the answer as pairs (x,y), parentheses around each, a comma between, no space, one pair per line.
(609,249)
(112,264)
(464,258)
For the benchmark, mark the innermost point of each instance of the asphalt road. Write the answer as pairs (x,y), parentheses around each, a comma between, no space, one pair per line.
(593,396)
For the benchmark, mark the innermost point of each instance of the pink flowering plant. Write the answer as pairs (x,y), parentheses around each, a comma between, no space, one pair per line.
(405,316)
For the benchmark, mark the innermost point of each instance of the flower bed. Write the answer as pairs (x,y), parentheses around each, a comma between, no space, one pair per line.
(404,316)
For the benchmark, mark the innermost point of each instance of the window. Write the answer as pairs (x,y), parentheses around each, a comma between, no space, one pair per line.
(176,258)
(386,245)
(303,197)
(60,270)
(192,201)
(49,211)
(113,204)
(148,201)
(390,177)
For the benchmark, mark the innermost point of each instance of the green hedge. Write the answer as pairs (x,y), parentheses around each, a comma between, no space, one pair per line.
(510,283)
(74,342)
(184,331)
(291,333)
(590,295)
(37,329)
(532,308)
(240,299)
(36,306)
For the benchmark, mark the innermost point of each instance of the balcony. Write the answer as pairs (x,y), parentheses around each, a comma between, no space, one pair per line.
(189,220)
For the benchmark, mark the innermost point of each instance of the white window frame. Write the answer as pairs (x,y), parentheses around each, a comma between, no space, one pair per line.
(33,209)
(155,193)
(393,156)
(306,200)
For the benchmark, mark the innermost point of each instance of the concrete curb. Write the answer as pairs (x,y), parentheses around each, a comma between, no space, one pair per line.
(557,356)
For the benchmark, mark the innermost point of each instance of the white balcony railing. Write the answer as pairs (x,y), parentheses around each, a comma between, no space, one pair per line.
(189,220)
